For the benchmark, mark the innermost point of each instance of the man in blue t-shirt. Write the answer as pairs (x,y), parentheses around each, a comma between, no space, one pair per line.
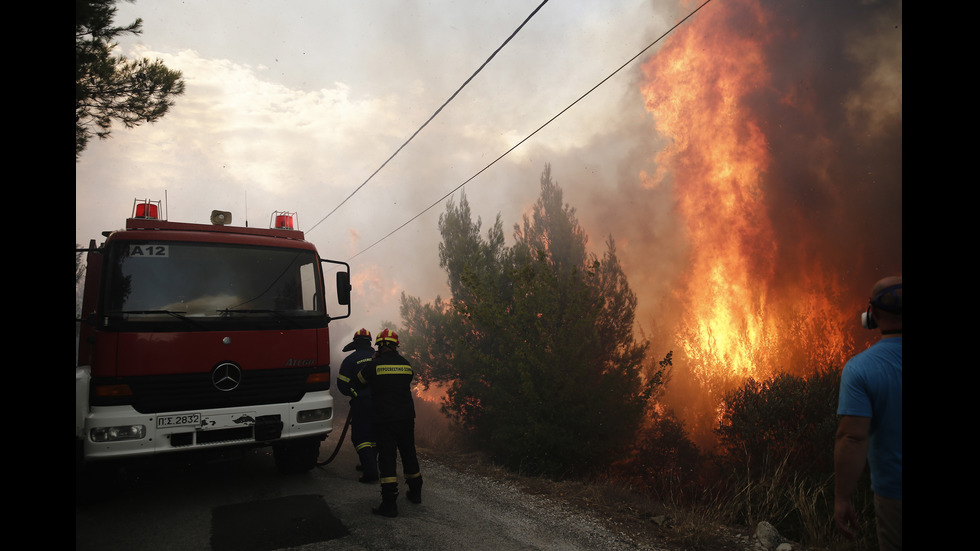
(870,429)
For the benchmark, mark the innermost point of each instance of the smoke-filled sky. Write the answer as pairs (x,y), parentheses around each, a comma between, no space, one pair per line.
(293,105)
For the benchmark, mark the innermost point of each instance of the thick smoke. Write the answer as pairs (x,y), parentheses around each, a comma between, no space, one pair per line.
(834,120)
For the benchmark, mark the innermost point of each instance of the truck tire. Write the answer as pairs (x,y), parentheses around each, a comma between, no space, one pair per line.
(296,457)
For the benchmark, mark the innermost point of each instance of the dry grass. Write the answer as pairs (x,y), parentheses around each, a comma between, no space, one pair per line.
(799,506)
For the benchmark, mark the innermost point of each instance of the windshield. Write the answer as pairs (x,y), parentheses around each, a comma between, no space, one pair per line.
(210,284)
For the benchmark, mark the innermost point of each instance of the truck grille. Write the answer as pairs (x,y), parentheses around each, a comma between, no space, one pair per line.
(160,393)
(185,439)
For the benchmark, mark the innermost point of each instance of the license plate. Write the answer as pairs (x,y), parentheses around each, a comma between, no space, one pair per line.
(182,420)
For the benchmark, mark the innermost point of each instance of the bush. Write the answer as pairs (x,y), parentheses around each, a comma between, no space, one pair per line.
(663,462)
(776,441)
(785,424)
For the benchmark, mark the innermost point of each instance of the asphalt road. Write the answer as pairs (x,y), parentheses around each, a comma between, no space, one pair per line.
(243,504)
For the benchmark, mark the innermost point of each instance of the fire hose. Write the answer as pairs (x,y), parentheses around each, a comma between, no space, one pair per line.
(340,442)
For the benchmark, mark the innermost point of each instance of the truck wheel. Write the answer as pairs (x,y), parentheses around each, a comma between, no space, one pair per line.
(296,457)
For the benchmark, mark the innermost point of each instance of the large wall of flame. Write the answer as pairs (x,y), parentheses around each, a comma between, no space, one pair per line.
(756,217)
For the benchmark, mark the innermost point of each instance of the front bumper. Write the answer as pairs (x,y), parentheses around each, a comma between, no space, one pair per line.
(117,432)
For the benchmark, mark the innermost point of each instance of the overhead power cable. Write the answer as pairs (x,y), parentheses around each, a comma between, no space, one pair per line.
(526,138)
(494,54)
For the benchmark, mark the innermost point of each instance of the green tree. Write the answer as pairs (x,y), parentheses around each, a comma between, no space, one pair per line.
(109,87)
(79,272)
(536,344)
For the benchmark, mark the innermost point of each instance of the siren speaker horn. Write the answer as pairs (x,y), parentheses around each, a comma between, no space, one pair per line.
(220,217)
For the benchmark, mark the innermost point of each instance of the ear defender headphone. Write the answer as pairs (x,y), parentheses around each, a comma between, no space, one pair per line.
(893,304)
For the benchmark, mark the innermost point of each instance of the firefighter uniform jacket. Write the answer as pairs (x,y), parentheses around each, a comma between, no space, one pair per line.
(390,378)
(348,371)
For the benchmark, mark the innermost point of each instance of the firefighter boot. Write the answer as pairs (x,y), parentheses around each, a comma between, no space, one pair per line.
(388,507)
(414,490)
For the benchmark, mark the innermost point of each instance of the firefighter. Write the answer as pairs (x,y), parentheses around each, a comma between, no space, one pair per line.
(389,376)
(360,404)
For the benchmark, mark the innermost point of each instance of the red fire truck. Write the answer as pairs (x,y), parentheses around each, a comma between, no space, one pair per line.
(200,337)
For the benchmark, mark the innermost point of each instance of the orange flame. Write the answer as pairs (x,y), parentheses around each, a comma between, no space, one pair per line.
(741,317)
(435,393)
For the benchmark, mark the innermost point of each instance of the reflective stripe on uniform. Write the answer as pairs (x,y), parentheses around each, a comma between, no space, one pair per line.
(393,370)
(365,445)
(389,479)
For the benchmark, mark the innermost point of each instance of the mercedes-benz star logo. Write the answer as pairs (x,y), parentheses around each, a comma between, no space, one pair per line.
(226,377)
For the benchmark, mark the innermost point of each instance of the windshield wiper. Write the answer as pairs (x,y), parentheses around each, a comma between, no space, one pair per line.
(278,314)
(176,314)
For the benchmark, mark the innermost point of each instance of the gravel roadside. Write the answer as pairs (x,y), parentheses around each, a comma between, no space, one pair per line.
(568,515)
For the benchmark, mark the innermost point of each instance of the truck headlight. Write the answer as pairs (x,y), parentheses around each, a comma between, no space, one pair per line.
(113,434)
(310,415)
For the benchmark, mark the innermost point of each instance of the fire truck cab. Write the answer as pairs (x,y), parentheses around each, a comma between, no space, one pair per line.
(201,337)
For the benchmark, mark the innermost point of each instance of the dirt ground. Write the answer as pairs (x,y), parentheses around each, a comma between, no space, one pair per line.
(652,524)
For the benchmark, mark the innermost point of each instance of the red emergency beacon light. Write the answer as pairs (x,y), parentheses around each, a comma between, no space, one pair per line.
(284,220)
(146,209)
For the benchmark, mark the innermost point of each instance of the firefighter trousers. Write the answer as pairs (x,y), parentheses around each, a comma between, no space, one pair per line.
(362,437)
(394,439)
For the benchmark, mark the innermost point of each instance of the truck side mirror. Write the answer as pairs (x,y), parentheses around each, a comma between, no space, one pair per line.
(343,288)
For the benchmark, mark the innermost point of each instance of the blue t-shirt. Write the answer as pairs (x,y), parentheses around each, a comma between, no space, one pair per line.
(871,386)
